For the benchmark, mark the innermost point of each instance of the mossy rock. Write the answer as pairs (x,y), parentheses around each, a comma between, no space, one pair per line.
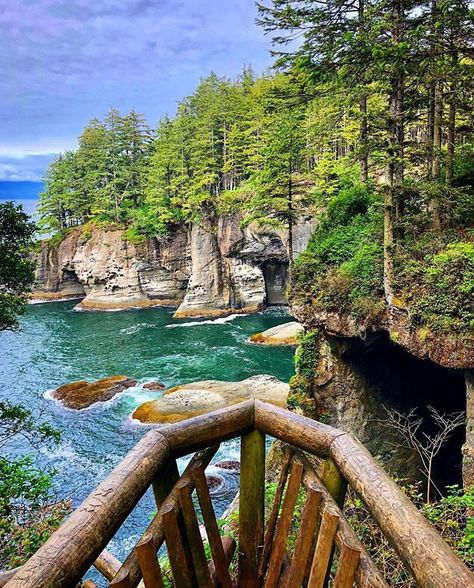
(82,394)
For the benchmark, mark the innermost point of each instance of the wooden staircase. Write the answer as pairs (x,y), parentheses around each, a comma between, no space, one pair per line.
(326,550)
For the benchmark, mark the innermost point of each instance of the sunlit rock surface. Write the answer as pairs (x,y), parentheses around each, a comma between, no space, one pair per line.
(286,334)
(82,394)
(198,398)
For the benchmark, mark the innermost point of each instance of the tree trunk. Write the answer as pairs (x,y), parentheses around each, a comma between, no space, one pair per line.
(363,138)
(388,273)
(363,131)
(429,132)
(436,164)
(395,152)
(451,138)
(290,217)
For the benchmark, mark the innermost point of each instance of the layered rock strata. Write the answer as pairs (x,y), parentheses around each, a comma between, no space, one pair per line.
(214,268)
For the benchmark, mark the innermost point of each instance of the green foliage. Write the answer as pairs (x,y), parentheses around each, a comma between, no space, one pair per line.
(451,516)
(105,178)
(445,289)
(16,269)
(28,511)
(342,267)
(306,356)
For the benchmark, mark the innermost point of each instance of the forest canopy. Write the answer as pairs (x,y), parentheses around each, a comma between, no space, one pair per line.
(366,124)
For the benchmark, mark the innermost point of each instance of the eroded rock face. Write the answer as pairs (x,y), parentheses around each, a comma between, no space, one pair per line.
(453,351)
(359,384)
(211,269)
(285,334)
(468,448)
(113,273)
(82,394)
(198,398)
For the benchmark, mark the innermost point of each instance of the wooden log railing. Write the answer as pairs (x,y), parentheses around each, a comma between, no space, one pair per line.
(326,549)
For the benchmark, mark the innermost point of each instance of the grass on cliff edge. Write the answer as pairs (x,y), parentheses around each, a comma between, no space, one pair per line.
(342,268)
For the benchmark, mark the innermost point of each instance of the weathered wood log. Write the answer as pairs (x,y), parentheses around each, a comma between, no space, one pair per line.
(208,429)
(106,564)
(180,565)
(155,528)
(228,549)
(151,572)
(191,524)
(72,549)
(348,561)
(284,524)
(305,537)
(7,576)
(294,429)
(272,520)
(367,574)
(122,579)
(220,561)
(166,479)
(424,552)
(251,506)
(324,544)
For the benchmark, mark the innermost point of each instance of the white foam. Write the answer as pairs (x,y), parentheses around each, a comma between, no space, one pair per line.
(217,321)
(133,329)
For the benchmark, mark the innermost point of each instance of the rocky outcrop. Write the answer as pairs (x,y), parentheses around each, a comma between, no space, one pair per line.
(285,334)
(82,394)
(198,398)
(214,268)
(112,273)
(355,406)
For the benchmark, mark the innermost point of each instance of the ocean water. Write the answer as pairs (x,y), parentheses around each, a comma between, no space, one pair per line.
(24,193)
(57,345)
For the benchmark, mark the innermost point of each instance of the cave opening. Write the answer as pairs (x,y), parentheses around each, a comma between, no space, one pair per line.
(70,283)
(275,274)
(403,382)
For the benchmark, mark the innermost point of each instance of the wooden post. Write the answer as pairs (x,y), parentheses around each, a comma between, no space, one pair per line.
(337,487)
(166,479)
(251,506)
(331,477)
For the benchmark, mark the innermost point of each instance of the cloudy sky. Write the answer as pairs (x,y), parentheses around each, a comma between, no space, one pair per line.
(63,62)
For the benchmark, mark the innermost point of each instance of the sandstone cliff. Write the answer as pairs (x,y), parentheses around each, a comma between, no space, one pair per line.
(214,268)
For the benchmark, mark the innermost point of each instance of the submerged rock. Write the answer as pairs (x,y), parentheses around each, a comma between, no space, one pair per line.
(188,400)
(156,386)
(82,394)
(214,481)
(286,334)
(231,465)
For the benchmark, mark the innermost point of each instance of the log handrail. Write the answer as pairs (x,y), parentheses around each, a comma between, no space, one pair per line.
(72,549)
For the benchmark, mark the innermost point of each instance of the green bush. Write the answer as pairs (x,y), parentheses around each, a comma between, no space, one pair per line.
(342,268)
(28,511)
(447,289)
(451,516)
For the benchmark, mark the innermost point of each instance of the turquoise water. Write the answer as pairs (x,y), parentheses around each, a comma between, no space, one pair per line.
(58,345)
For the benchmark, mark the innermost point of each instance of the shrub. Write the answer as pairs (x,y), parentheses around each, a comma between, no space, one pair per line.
(447,289)
(450,516)
(28,511)
(342,268)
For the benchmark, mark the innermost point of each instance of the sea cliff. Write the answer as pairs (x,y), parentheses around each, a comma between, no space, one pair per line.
(208,269)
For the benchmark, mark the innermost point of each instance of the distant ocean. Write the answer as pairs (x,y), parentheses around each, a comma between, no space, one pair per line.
(24,193)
